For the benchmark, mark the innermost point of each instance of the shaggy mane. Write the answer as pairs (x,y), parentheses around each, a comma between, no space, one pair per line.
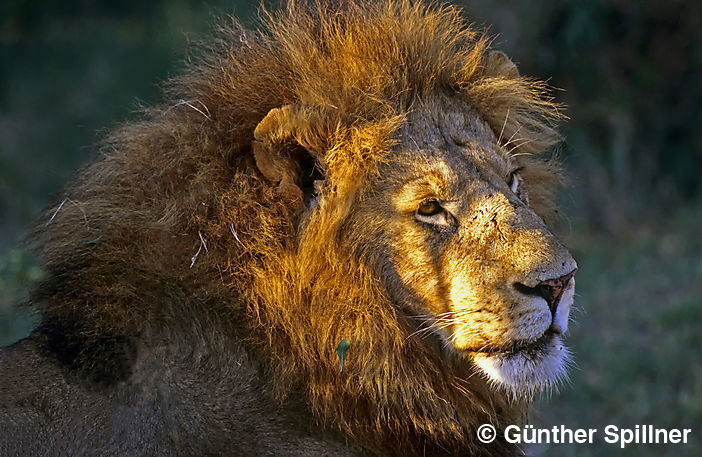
(175,214)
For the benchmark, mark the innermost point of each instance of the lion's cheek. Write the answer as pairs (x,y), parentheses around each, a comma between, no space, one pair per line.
(476,318)
(415,278)
(528,320)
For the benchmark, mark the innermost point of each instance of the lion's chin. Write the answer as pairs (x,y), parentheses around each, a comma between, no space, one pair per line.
(521,372)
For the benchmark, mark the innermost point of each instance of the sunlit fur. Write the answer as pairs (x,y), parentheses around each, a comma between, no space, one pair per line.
(184,181)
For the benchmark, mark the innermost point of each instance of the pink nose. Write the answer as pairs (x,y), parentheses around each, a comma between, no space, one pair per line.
(552,290)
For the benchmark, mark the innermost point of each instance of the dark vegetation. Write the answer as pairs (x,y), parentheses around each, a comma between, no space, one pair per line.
(632,79)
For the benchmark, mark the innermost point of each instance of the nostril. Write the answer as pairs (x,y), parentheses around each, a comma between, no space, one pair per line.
(550,290)
(526,290)
(544,289)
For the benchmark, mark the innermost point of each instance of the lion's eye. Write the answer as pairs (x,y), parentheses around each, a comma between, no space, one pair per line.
(433,213)
(430,208)
(513,182)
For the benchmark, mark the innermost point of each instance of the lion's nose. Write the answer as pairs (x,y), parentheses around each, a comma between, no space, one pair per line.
(552,290)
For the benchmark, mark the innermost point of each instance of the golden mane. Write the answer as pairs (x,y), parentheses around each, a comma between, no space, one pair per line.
(175,215)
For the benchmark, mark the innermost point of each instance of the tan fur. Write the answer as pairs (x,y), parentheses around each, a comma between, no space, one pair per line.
(223,169)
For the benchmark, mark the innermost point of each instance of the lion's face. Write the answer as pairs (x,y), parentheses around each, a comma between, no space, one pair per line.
(447,219)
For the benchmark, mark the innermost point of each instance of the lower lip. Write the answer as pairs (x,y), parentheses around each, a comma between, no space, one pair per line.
(528,348)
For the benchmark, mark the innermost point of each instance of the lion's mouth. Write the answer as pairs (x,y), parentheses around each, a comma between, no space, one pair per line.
(522,347)
(526,367)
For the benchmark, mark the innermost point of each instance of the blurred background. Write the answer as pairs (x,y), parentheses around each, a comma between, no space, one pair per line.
(631,75)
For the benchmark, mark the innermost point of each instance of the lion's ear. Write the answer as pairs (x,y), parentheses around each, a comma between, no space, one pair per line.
(288,143)
(498,64)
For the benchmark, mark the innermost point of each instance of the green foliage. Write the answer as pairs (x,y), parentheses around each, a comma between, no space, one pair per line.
(69,71)
(18,272)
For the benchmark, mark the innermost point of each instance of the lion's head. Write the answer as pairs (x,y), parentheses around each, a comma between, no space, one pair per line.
(463,251)
(368,172)
(445,225)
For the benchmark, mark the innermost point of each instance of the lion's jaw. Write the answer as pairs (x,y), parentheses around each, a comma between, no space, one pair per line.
(536,365)
(471,277)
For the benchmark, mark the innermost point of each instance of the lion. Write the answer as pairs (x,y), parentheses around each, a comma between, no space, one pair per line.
(329,239)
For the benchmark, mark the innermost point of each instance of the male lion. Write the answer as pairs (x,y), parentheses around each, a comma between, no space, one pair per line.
(365,171)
